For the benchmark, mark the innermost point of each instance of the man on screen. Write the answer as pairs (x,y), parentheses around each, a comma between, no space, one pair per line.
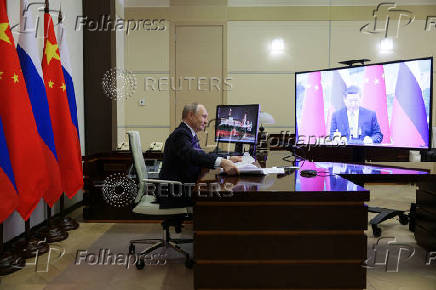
(357,124)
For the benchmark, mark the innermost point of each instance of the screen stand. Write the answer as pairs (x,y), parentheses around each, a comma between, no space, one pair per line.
(239,148)
(359,155)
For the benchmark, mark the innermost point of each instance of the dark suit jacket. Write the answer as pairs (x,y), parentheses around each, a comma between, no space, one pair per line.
(182,162)
(368,125)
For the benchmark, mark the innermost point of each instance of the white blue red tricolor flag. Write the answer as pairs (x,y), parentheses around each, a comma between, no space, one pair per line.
(27,49)
(25,173)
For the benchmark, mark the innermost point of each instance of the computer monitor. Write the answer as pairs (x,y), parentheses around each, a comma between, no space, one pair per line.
(237,124)
(379,105)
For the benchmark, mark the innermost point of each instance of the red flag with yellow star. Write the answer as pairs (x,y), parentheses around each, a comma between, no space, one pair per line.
(65,134)
(26,169)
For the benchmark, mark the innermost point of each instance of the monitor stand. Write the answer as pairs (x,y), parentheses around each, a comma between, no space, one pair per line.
(359,155)
(239,148)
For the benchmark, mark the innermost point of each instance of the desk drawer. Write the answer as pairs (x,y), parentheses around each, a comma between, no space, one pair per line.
(349,275)
(426,200)
(280,246)
(280,216)
(425,238)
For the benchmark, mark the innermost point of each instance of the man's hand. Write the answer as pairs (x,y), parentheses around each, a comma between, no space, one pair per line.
(367,140)
(229,167)
(236,158)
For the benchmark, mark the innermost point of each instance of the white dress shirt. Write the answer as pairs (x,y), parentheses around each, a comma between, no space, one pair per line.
(218,159)
(353,123)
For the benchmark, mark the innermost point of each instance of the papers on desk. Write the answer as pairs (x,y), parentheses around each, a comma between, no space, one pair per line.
(251,169)
(247,168)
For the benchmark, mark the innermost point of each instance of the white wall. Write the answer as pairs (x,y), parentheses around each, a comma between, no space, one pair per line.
(14,225)
(147,56)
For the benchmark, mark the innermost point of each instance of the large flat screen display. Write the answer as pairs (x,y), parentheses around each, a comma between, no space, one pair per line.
(387,104)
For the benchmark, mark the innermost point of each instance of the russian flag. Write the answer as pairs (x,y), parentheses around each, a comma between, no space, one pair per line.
(19,128)
(27,49)
(66,68)
(8,188)
(409,126)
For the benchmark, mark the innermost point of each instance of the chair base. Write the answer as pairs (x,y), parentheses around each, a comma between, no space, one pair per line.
(166,242)
(385,214)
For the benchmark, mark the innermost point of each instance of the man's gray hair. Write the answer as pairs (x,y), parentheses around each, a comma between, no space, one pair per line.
(189,108)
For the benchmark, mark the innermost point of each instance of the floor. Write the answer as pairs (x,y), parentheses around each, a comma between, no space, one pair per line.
(80,267)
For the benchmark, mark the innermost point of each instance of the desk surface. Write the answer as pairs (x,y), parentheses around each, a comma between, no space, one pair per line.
(332,177)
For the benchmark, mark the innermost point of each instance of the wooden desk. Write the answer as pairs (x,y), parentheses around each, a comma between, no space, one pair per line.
(295,232)
(280,232)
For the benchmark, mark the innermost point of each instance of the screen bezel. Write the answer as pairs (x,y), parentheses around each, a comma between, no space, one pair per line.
(237,106)
(380,63)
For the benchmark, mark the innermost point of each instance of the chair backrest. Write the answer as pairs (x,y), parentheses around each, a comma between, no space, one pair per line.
(138,161)
(434,138)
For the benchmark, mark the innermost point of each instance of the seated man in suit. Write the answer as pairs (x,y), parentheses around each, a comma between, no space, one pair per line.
(357,124)
(183,157)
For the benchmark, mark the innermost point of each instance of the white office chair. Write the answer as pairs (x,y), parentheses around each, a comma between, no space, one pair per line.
(146,205)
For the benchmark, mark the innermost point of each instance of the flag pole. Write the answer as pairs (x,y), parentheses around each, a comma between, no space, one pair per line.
(31,246)
(9,261)
(54,233)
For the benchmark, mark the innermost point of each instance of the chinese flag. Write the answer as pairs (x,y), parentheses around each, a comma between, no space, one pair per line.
(312,116)
(23,168)
(65,134)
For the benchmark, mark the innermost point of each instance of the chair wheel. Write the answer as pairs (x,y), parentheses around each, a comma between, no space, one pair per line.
(376,231)
(404,219)
(140,264)
(189,263)
(132,249)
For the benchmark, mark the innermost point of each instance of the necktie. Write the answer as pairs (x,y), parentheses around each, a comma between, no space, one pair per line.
(196,142)
(352,129)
